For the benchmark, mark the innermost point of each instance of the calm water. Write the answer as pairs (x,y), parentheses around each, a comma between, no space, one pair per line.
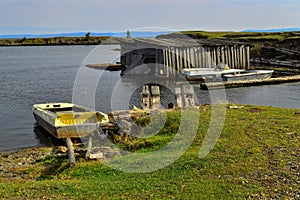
(31,75)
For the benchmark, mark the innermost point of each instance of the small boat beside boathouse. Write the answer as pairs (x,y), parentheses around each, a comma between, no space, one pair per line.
(67,120)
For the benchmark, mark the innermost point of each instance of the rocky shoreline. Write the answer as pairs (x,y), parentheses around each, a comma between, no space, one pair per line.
(16,165)
(22,163)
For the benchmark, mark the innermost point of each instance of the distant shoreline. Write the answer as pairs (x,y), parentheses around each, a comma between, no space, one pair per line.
(57,41)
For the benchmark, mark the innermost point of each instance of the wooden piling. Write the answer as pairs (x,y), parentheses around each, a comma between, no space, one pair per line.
(145,98)
(178,97)
(155,97)
(188,95)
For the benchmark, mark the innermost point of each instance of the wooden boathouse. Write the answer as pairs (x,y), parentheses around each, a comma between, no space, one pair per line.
(170,55)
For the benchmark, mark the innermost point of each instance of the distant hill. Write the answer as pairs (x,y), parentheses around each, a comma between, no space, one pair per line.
(274,30)
(124,34)
(82,34)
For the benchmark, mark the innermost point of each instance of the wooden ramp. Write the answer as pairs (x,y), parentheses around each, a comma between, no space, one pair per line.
(107,66)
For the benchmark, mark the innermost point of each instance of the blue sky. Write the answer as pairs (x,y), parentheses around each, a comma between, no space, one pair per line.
(56,16)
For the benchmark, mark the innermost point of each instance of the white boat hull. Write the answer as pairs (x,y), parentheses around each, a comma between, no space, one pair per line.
(249,75)
(207,74)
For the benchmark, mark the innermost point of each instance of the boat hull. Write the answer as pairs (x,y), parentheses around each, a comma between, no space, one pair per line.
(66,121)
(207,74)
(249,75)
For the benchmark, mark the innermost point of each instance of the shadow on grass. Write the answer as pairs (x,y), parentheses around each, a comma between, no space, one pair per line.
(54,166)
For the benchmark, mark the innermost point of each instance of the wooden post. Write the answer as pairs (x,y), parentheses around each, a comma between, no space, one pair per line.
(237,53)
(89,147)
(202,57)
(155,97)
(170,61)
(188,57)
(248,56)
(181,58)
(226,56)
(208,58)
(145,98)
(241,56)
(166,68)
(217,55)
(232,58)
(185,58)
(196,50)
(178,97)
(236,57)
(157,63)
(214,58)
(188,96)
(177,60)
(192,57)
(222,54)
(174,59)
(70,151)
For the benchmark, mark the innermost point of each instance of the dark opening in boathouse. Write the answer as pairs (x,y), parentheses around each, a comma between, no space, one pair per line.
(179,53)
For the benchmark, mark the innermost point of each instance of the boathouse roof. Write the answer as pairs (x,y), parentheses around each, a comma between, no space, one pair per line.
(181,42)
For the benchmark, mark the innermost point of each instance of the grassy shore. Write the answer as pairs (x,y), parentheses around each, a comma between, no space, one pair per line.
(57,41)
(257,156)
(243,35)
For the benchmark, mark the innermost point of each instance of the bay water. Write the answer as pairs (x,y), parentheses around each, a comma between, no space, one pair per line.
(39,74)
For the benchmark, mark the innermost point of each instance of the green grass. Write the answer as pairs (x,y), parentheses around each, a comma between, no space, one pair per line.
(252,158)
(243,35)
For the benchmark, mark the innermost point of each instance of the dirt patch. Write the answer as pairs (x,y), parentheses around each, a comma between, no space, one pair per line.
(255,110)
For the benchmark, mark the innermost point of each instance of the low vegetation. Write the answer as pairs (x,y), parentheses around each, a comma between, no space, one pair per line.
(243,35)
(257,156)
(87,40)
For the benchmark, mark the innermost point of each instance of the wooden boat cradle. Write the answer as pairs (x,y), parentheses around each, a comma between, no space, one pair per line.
(70,119)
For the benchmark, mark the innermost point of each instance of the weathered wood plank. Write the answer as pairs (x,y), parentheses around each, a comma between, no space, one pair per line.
(269,81)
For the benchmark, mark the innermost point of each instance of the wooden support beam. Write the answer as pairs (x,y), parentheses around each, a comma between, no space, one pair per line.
(89,147)
(71,155)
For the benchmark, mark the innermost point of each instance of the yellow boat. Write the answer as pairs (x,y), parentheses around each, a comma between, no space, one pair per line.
(67,120)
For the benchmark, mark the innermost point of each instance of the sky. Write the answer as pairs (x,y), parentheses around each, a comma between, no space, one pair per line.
(63,16)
